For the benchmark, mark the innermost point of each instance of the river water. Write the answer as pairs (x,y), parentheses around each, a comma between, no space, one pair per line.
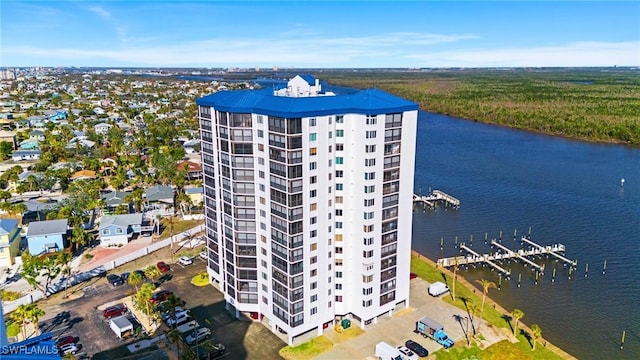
(568,192)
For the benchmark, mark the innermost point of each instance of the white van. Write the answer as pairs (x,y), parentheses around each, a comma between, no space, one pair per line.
(438,288)
(385,351)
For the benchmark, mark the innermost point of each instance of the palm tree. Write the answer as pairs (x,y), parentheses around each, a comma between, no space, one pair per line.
(34,315)
(20,315)
(172,302)
(486,285)
(516,315)
(174,337)
(135,279)
(143,297)
(473,310)
(152,272)
(172,221)
(64,259)
(536,333)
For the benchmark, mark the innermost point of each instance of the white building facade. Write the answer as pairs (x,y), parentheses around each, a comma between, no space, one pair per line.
(308,200)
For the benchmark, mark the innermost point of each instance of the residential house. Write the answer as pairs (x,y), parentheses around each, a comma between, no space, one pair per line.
(37,135)
(83,175)
(158,196)
(191,146)
(115,199)
(46,236)
(8,136)
(9,241)
(99,111)
(37,210)
(194,170)
(117,230)
(30,144)
(80,142)
(195,194)
(102,128)
(20,155)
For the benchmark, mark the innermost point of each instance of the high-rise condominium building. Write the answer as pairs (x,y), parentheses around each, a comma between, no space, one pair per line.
(308,198)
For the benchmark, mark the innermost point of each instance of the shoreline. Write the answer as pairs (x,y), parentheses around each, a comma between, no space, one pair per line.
(489,301)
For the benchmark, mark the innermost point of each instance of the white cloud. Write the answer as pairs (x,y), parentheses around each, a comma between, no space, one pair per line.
(387,50)
(100,11)
(587,53)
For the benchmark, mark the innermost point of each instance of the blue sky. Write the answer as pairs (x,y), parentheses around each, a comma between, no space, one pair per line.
(319,34)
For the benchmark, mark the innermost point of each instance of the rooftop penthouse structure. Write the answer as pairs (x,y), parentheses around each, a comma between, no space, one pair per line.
(308,203)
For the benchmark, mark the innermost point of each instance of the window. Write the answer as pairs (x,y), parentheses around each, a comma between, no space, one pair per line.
(260,133)
(370,134)
(312,122)
(369,202)
(314,298)
(313,233)
(339,173)
(312,137)
(339,160)
(369,162)
(367,291)
(367,253)
(367,278)
(338,212)
(338,298)
(313,165)
(314,272)
(370,176)
(339,147)
(339,187)
(314,285)
(369,189)
(314,259)
(368,215)
(338,286)
(339,133)
(371,119)
(313,207)
(366,303)
(339,199)
(367,228)
(338,274)
(314,246)
(339,119)
(315,309)
(313,193)
(330,134)
(313,151)
(368,241)
(369,148)
(338,225)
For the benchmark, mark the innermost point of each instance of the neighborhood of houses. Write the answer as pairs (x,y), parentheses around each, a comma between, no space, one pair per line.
(131,144)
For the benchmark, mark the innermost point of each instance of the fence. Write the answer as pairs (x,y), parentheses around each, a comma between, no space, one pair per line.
(34,296)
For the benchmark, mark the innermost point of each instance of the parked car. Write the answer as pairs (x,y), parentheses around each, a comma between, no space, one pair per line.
(412,276)
(408,354)
(115,280)
(69,349)
(141,274)
(167,313)
(115,310)
(198,335)
(203,255)
(416,348)
(184,261)
(125,276)
(164,306)
(163,267)
(65,340)
(160,296)
(179,319)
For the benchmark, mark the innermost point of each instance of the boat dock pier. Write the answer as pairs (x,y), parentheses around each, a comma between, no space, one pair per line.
(505,253)
(435,196)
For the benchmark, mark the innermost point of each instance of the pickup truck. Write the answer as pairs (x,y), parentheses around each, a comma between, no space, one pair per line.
(434,330)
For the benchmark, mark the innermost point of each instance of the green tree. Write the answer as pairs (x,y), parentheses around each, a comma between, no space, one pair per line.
(20,316)
(516,315)
(152,272)
(80,237)
(6,148)
(64,259)
(143,298)
(34,316)
(536,334)
(34,267)
(135,279)
(175,337)
(486,285)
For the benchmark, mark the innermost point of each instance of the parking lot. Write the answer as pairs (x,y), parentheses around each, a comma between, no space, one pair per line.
(243,339)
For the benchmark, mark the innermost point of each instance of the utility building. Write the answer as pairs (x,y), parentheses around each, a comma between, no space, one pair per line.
(308,198)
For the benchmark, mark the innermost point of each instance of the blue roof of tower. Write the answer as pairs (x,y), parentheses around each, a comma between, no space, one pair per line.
(367,102)
(309,79)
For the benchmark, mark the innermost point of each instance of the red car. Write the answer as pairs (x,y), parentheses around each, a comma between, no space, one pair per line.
(65,340)
(163,267)
(412,276)
(160,296)
(115,310)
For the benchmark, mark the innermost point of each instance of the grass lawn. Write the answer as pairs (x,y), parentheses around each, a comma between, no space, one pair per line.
(178,227)
(349,333)
(308,350)
(502,350)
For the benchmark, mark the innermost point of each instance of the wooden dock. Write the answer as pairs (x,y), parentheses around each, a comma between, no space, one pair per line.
(505,253)
(435,196)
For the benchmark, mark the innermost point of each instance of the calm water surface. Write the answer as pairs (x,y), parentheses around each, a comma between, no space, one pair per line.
(568,192)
